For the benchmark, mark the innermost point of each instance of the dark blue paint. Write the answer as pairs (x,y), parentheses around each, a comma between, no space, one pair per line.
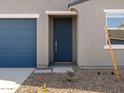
(17,42)
(63,36)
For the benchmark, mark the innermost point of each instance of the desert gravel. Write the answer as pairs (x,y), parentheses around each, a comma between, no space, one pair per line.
(81,81)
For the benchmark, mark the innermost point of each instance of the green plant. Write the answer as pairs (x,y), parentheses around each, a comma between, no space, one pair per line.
(70,74)
(69,77)
(123,76)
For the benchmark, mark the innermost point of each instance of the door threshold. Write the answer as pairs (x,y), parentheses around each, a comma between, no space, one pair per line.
(62,64)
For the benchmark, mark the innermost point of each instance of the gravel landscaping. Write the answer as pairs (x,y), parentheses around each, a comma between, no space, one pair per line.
(81,81)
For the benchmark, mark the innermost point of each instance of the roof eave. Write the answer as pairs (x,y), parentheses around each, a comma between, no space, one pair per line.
(76,2)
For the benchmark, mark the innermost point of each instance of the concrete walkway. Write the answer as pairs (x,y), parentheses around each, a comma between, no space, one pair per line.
(54,70)
(12,78)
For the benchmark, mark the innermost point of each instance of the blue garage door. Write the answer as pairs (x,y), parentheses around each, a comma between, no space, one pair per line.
(17,42)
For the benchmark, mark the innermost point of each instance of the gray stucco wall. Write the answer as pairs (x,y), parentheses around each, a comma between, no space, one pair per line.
(36,7)
(90,28)
(91,35)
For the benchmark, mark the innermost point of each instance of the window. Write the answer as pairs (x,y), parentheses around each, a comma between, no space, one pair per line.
(115,24)
(115,20)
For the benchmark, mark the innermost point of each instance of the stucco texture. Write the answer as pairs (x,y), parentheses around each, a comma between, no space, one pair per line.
(36,7)
(90,33)
(90,28)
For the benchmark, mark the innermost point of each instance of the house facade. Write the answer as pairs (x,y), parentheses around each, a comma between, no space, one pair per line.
(48,32)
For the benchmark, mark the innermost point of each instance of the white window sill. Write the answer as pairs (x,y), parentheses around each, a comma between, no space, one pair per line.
(114,47)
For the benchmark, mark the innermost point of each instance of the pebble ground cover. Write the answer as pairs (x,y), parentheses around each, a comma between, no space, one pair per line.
(80,81)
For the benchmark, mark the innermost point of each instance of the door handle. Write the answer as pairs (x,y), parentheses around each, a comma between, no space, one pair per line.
(56,45)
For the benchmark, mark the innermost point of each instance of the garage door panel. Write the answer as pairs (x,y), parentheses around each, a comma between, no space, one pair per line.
(17,23)
(23,52)
(5,61)
(5,35)
(14,35)
(27,34)
(27,59)
(5,51)
(17,42)
(25,42)
(4,45)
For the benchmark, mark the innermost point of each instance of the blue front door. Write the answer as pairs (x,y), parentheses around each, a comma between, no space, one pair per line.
(62,36)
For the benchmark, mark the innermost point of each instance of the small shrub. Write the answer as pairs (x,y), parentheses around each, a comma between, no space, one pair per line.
(123,76)
(70,74)
(69,77)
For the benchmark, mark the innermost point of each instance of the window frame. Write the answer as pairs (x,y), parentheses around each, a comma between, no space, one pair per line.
(113,11)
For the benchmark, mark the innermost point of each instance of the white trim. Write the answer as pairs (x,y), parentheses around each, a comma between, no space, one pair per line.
(113,11)
(119,11)
(19,15)
(115,28)
(115,16)
(114,47)
(61,12)
(106,23)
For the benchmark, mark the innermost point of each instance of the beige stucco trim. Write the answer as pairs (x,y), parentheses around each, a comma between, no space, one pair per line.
(61,12)
(51,39)
(74,48)
(74,39)
(19,15)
